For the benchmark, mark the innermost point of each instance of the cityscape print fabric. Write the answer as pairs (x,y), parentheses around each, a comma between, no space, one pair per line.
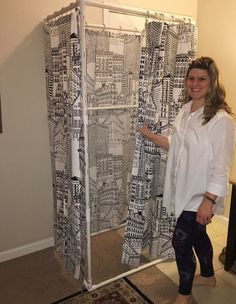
(127,85)
(112,85)
(66,135)
(163,65)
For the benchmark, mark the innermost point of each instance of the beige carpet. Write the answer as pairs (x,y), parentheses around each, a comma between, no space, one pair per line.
(39,278)
(155,285)
(107,248)
(36,278)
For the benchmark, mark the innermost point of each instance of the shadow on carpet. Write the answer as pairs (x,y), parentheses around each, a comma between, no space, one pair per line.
(121,291)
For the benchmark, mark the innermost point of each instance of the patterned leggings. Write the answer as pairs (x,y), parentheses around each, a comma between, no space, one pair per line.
(189,234)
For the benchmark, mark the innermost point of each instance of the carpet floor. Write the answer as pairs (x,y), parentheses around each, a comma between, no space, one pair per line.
(40,278)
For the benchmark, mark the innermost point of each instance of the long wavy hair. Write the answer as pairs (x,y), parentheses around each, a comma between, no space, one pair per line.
(215,97)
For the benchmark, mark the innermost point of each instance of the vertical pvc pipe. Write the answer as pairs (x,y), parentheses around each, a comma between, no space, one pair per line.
(81,5)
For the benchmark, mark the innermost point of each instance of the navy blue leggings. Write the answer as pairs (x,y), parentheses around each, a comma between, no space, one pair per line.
(189,234)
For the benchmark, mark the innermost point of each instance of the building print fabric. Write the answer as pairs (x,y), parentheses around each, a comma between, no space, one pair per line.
(63,76)
(112,83)
(112,68)
(127,85)
(163,65)
(112,80)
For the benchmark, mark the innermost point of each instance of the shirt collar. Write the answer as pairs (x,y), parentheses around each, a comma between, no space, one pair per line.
(188,109)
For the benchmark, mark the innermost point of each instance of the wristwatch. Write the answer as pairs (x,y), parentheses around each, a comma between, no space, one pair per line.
(210,199)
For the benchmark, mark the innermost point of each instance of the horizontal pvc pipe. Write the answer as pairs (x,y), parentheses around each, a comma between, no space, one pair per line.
(124,274)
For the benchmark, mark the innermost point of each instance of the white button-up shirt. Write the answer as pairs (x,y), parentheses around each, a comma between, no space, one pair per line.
(199,160)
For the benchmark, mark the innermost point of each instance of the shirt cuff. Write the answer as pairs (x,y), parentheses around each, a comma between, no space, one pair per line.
(217,189)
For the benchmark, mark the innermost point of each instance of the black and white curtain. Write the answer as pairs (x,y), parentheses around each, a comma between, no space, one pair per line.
(126,172)
(112,95)
(163,65)
(66,132)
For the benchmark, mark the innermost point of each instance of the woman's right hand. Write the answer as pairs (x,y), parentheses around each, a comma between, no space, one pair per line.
(145,131)
(157,139)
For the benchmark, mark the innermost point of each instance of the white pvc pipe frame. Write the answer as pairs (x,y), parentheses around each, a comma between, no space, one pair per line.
(82,4)
(121,9)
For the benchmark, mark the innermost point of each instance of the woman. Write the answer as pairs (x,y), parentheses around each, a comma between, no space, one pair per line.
(199,160)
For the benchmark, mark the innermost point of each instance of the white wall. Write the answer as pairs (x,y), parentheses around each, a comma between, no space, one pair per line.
(25,174)
(217,30)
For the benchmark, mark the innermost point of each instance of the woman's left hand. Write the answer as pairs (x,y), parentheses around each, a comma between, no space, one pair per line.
(205,212)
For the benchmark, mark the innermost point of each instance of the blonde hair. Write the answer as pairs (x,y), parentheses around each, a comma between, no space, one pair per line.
(215,97)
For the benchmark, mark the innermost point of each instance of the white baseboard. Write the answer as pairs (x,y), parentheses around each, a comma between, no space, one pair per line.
(221,219)
(26,249)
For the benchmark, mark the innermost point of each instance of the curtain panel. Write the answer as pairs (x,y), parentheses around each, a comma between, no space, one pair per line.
(163,65)
(112,85)
(66,135)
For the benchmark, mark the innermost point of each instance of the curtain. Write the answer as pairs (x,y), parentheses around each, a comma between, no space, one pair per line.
(66,133)
(126,172)
(112,85)
(163,65)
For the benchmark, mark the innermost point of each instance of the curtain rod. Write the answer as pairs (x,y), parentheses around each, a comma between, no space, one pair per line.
(117,107)
(119,29)
(122,10)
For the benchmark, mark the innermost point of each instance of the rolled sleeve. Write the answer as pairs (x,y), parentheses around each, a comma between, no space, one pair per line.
(218,189)
(222,141)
